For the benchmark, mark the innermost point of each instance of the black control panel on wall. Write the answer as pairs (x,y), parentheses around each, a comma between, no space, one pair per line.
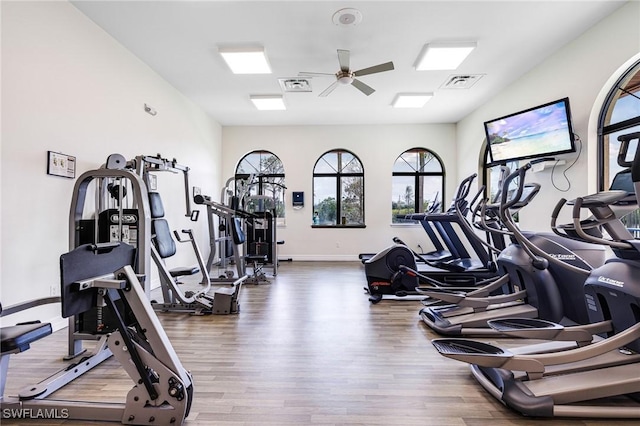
(298,198)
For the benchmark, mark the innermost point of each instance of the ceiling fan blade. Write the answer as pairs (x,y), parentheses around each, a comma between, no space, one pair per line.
(314,74)
(387,66)
(343,59)
(367,90)
(329,89)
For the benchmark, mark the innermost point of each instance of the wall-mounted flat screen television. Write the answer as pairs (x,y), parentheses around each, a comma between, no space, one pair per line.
(541,131)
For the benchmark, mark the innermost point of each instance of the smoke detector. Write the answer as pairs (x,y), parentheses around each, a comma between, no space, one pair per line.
(461,81)
(347,17)
(295,84)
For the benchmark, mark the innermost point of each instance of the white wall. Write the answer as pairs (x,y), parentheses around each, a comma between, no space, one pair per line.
(69,87)
(578,70)
(299,147)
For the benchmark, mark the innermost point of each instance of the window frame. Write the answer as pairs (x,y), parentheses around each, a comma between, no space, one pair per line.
(338,175)
(605,129)
(417,186)
(264,180)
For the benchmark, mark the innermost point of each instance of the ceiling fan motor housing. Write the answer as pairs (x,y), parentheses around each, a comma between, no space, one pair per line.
(345,77)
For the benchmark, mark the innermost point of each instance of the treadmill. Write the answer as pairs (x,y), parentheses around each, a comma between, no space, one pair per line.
(382,270)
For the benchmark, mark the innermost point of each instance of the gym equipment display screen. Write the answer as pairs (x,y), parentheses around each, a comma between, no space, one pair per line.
(533,133)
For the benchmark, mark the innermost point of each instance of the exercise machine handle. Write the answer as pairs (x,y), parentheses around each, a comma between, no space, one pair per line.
(189,232)
(625,141)
(521,172)
(464,188)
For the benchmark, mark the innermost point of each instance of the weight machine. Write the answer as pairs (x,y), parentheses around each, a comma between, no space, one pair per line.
(261,231)
(96,275)
(200,301)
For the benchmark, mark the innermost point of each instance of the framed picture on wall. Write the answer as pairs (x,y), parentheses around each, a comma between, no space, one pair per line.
(59,164)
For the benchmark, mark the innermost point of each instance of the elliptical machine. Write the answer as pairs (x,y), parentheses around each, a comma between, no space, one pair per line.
(572,383)
(534,287)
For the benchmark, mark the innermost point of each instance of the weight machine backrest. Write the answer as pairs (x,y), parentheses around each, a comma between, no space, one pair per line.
(162,238)
(236,231)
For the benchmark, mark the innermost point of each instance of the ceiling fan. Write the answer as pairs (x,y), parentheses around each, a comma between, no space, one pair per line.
(346,76)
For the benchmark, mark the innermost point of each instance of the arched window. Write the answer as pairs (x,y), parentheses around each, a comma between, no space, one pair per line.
(620,115)
(260,176)
(418,183)
(338,190)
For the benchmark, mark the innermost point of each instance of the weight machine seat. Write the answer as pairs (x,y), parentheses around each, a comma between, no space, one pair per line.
(17,338)
(186,270)
(256,258)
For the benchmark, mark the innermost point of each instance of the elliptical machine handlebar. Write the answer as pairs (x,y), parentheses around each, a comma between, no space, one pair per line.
(505,203)
(625,141)
(539,258)
(465,187)
(577,206)
(538,262)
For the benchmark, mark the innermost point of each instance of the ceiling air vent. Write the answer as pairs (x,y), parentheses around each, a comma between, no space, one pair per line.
(461,81)
(295,84)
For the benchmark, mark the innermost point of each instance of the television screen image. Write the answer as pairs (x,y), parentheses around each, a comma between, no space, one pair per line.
(536,132)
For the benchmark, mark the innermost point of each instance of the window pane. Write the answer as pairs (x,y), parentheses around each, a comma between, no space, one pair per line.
(403,197)
(431,192)
(631,220)
(407,162)
(248,165)
(428,163)
(350,164)
(324,199)
(352,201)
(494,178)
(627,105)
(271,165)
(614,148)
(327,164)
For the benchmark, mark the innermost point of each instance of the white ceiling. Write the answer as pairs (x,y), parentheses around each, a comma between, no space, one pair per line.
(179,40)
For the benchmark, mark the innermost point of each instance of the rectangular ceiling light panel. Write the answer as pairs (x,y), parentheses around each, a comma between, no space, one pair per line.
(246,61)
(268,102)
(443,56)
(411,100)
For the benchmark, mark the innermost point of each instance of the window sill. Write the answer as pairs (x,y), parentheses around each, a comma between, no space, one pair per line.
(338,226)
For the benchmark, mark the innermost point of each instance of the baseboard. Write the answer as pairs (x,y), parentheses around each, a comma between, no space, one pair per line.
(325,258)
(58,323)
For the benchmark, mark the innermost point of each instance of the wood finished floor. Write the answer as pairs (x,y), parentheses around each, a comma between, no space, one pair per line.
(308,349)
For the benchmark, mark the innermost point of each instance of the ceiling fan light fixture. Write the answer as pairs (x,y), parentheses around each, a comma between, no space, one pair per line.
(443,56)
(268,102)
(345,79)
(246,60)
(411,100)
